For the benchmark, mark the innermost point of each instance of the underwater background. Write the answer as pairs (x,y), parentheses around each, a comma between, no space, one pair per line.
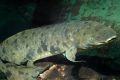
(102,63)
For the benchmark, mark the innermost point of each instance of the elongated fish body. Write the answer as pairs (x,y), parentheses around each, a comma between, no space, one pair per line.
(63,38)
(14,72)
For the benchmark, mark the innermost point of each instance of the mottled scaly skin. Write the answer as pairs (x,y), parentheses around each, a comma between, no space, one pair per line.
(14,72)
(38,43)
(64,38)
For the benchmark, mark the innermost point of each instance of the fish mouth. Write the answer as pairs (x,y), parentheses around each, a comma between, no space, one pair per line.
(108,40)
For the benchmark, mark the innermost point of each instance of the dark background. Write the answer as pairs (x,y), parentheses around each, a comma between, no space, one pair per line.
(18,15)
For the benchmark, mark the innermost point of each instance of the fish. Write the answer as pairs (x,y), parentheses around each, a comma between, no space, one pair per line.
(28,46)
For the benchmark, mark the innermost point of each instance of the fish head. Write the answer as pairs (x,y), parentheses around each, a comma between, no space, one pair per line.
(95,33)
(102,36)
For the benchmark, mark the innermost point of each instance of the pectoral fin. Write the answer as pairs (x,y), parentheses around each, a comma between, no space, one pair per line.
(71,54)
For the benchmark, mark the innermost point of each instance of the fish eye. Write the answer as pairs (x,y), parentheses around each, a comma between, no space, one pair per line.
(91,39)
